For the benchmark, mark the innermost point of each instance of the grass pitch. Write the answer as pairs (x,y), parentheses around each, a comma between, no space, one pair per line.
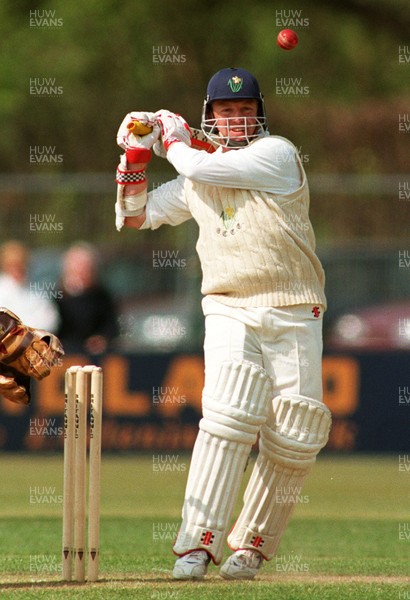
(349,537)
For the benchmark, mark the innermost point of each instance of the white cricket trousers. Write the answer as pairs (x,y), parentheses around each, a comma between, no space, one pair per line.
(285,341)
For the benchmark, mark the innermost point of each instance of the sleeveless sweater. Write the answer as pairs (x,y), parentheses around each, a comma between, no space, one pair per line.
(255,248)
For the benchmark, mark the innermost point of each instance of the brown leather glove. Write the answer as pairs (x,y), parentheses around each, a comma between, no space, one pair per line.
(24,352)
(14,387)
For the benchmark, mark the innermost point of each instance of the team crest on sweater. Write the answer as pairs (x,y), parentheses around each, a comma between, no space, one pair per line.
(229,223)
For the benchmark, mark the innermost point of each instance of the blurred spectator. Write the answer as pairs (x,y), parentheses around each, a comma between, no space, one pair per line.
(88,313)
(28,300)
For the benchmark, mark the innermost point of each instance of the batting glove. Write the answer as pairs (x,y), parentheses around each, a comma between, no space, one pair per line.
(138,147)
(173,129)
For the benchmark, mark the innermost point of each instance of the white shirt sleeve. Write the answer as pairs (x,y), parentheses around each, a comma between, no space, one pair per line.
(269,164)
(166,205)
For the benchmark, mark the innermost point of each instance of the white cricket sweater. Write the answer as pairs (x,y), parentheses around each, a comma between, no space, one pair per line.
(256,244)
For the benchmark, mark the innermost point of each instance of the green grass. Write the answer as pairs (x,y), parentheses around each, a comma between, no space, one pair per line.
(342,543)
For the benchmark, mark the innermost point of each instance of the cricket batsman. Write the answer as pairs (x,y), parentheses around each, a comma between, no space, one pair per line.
(263,289)
(25,353)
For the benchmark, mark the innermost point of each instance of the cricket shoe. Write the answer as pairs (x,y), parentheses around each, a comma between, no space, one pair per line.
(192,566)
(243,564)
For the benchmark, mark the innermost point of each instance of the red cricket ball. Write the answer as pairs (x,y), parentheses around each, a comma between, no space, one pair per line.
(287,39)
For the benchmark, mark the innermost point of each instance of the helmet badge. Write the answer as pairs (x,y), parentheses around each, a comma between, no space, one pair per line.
(235,83)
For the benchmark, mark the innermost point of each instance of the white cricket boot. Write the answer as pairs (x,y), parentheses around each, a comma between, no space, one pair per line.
(192,566)
(242,564)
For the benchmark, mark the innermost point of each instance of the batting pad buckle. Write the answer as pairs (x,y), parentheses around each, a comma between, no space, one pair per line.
(130,177)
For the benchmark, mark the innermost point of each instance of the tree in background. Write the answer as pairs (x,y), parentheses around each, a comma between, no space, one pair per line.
(71,70)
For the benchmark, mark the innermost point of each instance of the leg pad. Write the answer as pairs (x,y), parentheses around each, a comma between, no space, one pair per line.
(233,415)
(298,428)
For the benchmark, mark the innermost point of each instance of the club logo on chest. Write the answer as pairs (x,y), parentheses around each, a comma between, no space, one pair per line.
(228,221)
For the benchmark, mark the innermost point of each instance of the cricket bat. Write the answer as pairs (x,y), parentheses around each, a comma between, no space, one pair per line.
(199,140)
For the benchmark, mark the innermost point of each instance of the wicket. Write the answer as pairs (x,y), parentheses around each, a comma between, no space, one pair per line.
(83,386)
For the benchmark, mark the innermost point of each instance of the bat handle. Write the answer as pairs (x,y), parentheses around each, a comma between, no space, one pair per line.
(138,128)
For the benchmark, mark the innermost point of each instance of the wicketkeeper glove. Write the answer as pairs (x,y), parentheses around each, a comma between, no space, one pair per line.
(24,353)
(14,387)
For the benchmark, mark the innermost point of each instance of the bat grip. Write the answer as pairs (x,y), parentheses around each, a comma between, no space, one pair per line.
(138,128)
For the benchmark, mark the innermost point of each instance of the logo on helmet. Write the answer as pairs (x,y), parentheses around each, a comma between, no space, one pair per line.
(235,83)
